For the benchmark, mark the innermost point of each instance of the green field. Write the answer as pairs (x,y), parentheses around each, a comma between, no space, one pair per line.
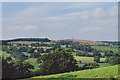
(32,60)
(87,59)
(107,48)
(103,64)
(105,72)
(100,65)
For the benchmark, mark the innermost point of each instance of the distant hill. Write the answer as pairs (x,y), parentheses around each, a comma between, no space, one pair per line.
(29,39)
(84,42)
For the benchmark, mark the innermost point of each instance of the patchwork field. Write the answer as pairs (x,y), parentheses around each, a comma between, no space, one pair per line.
(87,56)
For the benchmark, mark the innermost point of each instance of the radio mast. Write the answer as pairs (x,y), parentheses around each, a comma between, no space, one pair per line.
(72,37)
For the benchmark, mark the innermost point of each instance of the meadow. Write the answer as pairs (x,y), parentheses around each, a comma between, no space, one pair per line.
(87,59)
(113,48)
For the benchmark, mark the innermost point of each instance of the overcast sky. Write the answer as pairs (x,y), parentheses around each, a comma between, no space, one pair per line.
(86,21)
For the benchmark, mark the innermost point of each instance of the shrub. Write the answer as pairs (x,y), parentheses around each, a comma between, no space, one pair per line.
(114,60)
(90,66)
(96,58)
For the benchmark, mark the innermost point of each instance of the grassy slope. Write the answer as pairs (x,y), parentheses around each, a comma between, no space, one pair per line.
(105,72)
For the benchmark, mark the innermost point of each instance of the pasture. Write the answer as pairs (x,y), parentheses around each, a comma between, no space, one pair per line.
(32,60)
(106,48)
(87,59)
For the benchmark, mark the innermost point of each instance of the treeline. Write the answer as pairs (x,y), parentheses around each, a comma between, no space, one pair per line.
(18,52)
(29,39)
(113,43)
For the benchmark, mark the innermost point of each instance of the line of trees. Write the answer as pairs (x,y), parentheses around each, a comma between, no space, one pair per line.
(29,39)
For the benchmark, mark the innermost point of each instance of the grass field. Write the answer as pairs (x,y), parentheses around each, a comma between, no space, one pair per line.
(104,72)
(103,64)
(32,60)
(102,48)
(100,65)
(87,59)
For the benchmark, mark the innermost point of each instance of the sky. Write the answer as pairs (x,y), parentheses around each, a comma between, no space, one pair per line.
(60,20)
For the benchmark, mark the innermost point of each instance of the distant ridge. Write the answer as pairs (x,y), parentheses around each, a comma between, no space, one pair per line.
(29,39)
(84,42)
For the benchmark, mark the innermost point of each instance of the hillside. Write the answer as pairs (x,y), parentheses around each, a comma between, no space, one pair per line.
(105,72)
(84,42)
(30,51)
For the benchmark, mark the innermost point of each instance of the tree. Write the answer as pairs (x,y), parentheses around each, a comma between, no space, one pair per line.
(23,49)
(35,55)
(90,66)
(114,60)
(22,68)
(96,53)
(8,58)
(96,58)
(108,53)
(40,50)
(30,50)
(79,54)
(67,46)
(57,61)
(107,59)
(7,69)
(18,69)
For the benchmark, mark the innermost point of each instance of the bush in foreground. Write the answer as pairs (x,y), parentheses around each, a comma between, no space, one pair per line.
(19,69)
